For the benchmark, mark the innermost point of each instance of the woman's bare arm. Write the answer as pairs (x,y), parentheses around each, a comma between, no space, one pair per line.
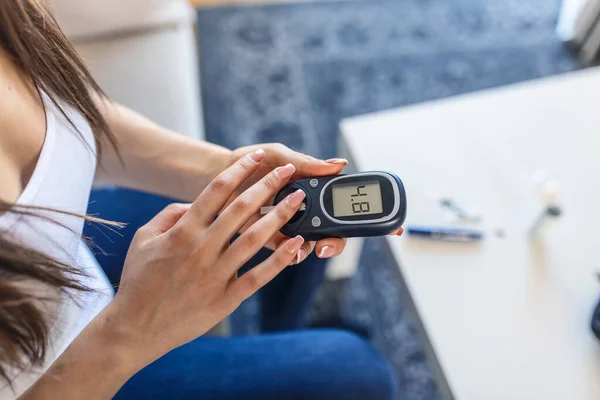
(163,162)
(155,159)
(98,362)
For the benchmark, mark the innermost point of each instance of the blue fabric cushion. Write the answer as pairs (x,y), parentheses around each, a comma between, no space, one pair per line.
(129,206)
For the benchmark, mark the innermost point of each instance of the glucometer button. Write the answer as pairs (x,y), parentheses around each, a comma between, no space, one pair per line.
(314,183)
(316,222)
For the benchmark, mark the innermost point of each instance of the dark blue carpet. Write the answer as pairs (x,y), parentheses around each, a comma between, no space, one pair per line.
(289,73)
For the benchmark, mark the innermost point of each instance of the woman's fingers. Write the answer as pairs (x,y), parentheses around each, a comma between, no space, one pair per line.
(233,218)
(255,237)
(164,220)
(307,166)
(399,232)
(304,252)
(332,247)
(215,196)
(328,248)
(244,287)
(278,238)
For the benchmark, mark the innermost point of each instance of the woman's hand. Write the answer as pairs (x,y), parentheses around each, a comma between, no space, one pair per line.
(306,166)
(179,280)
(180,276)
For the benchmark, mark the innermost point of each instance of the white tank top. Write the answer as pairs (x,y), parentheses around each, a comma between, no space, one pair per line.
(62,180)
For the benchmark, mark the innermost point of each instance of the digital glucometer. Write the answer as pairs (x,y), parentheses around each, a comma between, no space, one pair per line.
(355,205)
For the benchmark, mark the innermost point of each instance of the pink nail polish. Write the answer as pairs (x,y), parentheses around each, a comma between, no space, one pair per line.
(340,161)
(295,244)
(285,172)
(258,155)
(295,199)
(300,256)
(327,252)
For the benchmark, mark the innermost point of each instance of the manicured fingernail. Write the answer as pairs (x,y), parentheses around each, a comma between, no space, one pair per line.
(341,161)
(327,251)
(300,256)
(285,172)
(295,199)
(258,155)
(295,244)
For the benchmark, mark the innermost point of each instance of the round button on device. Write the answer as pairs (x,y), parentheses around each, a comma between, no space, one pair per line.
(314,183)
(316,222)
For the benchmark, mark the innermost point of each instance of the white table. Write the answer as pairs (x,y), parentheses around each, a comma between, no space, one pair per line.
(504,319)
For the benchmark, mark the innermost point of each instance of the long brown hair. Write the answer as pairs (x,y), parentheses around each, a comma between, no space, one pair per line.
(31,37)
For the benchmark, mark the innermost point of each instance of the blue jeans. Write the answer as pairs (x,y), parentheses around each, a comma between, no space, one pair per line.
(307,365)
(302,365)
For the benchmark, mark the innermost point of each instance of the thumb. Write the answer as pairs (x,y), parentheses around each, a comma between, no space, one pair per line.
(166,219)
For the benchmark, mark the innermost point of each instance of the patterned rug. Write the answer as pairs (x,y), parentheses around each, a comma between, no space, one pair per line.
(289,73)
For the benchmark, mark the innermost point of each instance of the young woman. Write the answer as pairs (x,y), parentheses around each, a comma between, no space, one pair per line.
(63,332)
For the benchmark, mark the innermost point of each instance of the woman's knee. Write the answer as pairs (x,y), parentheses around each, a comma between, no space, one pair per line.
(356,368)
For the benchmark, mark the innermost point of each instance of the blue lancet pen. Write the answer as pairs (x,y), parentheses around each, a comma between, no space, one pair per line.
(445,234)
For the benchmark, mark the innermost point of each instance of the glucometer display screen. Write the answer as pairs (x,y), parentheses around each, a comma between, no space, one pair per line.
(357,199)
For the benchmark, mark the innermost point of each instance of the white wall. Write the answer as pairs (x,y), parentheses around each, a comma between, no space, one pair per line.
(155,73)
(143,53)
